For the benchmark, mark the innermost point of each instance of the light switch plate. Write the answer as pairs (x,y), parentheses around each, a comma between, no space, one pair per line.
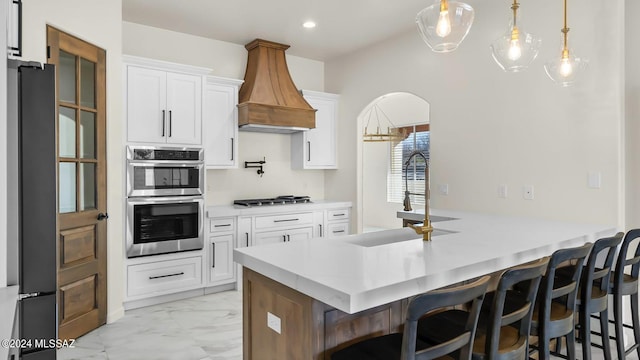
(527,192)
(274,323)
(444,189)
(503,191)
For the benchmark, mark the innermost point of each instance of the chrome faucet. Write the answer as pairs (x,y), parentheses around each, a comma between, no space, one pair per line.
(426,229)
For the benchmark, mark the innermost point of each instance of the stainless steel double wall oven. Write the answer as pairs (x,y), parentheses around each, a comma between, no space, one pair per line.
(165,203)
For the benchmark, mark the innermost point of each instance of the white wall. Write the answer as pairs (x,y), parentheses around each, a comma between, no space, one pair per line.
(3,148)
(229,60)
(97,22)
(632,101)
(489,127)
(402,109)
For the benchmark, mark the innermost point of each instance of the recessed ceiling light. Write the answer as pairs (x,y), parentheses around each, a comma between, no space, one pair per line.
(309,24)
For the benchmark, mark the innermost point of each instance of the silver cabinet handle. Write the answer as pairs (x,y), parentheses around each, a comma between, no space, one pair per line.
(222,225)
(170,124)
(288,237)
(338,214)
(164,276)
(285,220)
(232,149)
(320,229)
(163,123)
(338,231)
(213,255)
(309,151)
(284,238)
(247,234)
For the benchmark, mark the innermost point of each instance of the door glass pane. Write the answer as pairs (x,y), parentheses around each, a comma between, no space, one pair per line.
(87,186)
(67,83)
(67,187)
(87,135)
(67,130)
(87,83)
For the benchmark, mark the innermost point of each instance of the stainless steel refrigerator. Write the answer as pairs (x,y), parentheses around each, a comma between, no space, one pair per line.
(33,193)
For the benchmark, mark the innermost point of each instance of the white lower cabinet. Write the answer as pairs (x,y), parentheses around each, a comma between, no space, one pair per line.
(221,269)
(273,237)
(337,222)
(164,277)
(220,245)
(337,229)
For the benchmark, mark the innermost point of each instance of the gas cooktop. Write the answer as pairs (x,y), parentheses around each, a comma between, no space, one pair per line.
(280,200)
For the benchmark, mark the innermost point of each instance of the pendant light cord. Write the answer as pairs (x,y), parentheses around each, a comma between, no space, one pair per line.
(565,29)
(515,7)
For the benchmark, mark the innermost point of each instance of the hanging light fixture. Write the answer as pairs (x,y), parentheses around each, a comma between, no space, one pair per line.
(445,24)
(566,69)
(392,133)
(516,49)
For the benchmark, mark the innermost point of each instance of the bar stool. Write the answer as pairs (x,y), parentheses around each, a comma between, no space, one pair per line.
(593,292)
(502,333)
(406,345)
(626,285)
(553,317)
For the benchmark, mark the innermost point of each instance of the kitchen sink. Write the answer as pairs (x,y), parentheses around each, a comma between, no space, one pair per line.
(392,236)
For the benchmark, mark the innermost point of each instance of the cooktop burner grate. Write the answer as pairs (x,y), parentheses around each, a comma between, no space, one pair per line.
(280,200)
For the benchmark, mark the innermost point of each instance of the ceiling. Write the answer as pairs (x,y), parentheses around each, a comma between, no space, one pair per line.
(343,26)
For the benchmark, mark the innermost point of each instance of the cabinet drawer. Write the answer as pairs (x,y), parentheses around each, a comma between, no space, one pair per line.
(163,276)
(337,229)
(286,220)
(222,224)
(337,214)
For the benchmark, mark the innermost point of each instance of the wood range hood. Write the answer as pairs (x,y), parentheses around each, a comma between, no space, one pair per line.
(269,100)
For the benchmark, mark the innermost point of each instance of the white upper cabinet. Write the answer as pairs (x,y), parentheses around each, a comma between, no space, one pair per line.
(163,102)
(220,119)
(316,148)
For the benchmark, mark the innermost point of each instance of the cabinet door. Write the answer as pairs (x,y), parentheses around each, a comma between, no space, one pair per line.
(320,146)
(221,126)
(221,269)
(300,234)
(270,237)
(146,104)
(184,109)
(245,238)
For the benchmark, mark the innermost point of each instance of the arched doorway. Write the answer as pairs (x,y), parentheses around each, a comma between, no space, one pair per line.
(380,176)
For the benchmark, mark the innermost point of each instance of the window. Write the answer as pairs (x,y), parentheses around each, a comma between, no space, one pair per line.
(417,139)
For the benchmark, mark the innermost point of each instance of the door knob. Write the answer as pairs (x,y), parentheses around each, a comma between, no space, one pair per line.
(102,216)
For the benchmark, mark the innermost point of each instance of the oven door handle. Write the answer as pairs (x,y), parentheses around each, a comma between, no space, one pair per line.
(166,200)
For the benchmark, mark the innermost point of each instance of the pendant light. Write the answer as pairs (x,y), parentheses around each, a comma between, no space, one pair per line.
(566,69)
(445,24)
(516,49)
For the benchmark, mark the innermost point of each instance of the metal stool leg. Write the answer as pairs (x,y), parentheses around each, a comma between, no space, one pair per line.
(585,333)
(636,321)
(604,331)
(571,346)
(619,329)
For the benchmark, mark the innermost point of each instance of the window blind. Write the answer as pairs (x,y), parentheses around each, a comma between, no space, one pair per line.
(417,139)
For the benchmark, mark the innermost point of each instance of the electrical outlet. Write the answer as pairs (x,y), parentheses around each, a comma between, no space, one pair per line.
(527,192)
(594,180)
(274,323)
(444,189)
(503,191)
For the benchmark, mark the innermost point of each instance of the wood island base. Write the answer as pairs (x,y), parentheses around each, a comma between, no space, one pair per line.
(284,324)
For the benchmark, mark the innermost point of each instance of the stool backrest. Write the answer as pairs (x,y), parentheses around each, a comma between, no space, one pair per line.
(437,299)
(602,274)
(567,291)
(526,278)
(633,261)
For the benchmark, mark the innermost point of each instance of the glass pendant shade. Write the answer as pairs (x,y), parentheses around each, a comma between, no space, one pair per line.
(516,49)
(565,69)
(445,24)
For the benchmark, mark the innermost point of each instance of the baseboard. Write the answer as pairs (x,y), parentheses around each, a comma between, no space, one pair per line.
(220,288)
(129,305)
(115,315)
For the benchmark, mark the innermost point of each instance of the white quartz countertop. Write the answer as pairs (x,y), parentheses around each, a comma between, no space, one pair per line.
(8,303)
(237,210)
(357,272)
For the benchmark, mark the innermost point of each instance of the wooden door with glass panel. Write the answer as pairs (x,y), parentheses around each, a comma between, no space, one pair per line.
(82,262)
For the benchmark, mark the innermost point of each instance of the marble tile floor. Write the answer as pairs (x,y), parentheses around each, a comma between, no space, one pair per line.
(206,327)
(201,328)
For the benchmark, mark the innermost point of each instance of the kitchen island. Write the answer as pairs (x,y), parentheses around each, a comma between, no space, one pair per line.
(309,298)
